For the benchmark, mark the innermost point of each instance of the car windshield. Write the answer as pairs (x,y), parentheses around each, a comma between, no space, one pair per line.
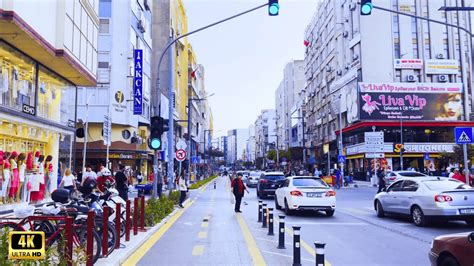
(411,174)
(274,177)
(309,182)
(445,184)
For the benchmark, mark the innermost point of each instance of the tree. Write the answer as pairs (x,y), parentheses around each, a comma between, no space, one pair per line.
(272,155)
(457,156)
(247,164)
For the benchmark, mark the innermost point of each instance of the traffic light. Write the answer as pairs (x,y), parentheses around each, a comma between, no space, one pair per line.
(154,142)
(366,7)
(273,7)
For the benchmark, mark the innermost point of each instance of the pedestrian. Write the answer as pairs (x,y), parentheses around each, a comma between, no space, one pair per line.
(183,188)
(458,176)
(381,179)
(105,176)
(238,188)
(338,179)
(88,174)
(121,182)
(452,172)
(68,181)
(139,177)
(317,173)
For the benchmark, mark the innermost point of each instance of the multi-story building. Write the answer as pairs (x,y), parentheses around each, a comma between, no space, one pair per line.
(124,31)
(286,100)
(250,148)
(236,144)
(403,77)
(43,58)
(265,132)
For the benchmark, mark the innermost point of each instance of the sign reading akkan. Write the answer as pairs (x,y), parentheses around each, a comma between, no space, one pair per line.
(137,82)
(410,101)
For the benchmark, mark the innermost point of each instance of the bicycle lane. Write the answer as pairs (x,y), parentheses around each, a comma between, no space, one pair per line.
(207,232)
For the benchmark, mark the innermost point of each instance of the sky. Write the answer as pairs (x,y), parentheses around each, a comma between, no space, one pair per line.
(244,58)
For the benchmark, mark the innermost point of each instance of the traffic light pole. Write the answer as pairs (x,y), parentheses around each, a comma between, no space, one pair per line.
(170,94)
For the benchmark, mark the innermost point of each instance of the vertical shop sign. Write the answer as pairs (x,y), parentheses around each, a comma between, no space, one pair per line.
(137,82)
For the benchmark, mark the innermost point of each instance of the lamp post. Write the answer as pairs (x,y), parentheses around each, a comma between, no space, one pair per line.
(85,133)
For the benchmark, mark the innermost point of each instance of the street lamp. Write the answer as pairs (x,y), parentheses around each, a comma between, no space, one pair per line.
(86,132)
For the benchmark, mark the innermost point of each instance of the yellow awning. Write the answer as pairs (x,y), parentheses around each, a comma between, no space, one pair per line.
(18,33)
(357,156)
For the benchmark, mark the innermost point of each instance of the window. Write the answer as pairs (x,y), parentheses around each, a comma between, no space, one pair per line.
(397,186)
(410,186)
(309,182)
(105,8)
(104,26)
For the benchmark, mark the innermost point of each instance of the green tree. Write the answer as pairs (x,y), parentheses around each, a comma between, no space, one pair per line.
(272,155)
(457,156)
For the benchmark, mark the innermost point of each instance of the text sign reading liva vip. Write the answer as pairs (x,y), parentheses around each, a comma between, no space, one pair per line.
(26,245)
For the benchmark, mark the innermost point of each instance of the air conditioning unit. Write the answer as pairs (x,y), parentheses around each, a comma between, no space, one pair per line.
(345,34)
(411,78)
(352,6)
(443,78)
(339,72)
(347,66)
(355,57)
(440,56)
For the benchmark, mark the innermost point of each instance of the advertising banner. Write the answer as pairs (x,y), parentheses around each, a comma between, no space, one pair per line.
(410,101)
(442,66)
(137,82)
(408,63)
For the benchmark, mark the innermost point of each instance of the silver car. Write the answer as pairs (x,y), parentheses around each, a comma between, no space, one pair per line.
(426,199)
(393,176)
(252,181)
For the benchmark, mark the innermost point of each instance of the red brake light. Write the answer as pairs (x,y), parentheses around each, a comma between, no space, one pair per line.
(296,193)
(331,193)
(443,198)
(393,178)
(263,181)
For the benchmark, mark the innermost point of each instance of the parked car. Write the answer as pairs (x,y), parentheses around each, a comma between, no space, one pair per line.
(452,250)
(391,177)
(305,193)
(253,178)
(268,183)
(426,199)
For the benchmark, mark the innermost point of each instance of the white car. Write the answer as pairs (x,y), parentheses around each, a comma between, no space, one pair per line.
(391,177)
(305,193)
(253,178)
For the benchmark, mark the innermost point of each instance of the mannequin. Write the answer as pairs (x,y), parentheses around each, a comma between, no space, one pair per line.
(21,172)
(41,178)
(28,177)
(51,182)
(36,179)
(6,176)
(15,177)
(1,176)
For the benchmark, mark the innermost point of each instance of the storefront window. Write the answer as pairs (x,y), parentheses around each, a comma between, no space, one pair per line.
(56,97)
(17,80)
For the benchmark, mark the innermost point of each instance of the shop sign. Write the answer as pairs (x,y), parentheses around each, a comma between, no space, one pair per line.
(428,147)
(107,130)
(28,109)
(124,156)
(119,99)
(137,82)
(71,123)
(441,66)
(408,63)
(410,101)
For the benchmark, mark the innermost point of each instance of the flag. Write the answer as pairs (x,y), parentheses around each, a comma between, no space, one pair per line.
(193,74)
(306,43)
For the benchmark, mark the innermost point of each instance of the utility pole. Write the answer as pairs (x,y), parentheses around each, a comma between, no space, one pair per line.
(341,148)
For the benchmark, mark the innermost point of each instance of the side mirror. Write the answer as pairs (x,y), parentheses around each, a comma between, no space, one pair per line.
(384,189)
(470,238)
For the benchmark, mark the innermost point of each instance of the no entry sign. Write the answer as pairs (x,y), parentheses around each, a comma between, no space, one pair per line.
(180,155)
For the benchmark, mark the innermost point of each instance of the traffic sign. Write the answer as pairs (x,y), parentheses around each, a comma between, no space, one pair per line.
(181,145)
(374,155)
(341,159)
(180,155)
(427,156)
(195,159)
(463,135)
(374,142)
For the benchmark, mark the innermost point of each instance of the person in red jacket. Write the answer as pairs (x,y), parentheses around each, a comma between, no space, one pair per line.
(458,176)
(238,188)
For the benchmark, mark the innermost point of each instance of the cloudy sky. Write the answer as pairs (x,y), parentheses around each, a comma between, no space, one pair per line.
(244,57)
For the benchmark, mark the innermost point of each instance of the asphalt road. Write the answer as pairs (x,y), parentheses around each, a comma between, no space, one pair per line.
(209,232)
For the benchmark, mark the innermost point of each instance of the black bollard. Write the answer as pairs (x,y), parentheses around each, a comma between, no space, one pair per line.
(264,215)
(270,221)
(214,184)
(260,211)
(296,246)
(281,232)
(319,253)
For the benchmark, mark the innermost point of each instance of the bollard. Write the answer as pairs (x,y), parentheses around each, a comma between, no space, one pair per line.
(260,211)
(142,214)
(118,223)
(270,221)
(127,221)
(90,238)
(281,232)
(105,232)
(135,216)
(264,215)
(214,184)
(319,253)
(69,239)
(296,246)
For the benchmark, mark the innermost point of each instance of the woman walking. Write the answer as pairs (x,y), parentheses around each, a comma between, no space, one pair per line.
(183,188)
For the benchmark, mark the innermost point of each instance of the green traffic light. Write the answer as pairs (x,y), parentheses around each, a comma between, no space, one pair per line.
(155,144)
(366,9)
(273,9)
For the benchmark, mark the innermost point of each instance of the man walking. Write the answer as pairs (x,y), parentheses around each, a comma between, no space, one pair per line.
(238,188)
(183,188)
(381,178)
(121,181)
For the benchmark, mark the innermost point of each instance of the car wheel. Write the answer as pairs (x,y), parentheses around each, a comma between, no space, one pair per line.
(418,217)
(448,261)
(379,209)
(470,222)
(278,207)
(287,209)
(330,213)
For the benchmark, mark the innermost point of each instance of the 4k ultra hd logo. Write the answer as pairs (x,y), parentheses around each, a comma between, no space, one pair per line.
(26,245)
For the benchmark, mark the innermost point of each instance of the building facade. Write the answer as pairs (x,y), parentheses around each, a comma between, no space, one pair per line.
(265,132)
(406,78)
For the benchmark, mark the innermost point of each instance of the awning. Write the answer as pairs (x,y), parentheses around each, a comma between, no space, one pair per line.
(19,34)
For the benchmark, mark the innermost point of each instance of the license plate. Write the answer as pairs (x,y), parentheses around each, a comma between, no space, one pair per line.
(314,195)
(466,211)
(273,185)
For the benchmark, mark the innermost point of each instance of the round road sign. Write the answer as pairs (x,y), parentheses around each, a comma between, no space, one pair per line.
(180,155)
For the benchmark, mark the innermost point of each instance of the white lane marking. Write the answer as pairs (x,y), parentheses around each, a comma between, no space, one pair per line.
(326,223)
(268,240)
(403,223)
(284,255)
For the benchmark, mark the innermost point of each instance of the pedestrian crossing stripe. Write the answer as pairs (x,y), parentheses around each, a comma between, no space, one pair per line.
(464,137)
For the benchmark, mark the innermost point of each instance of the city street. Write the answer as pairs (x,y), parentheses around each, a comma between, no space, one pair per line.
(208,232)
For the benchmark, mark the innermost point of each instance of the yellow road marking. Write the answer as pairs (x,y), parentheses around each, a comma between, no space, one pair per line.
(136,257)
(198,250)
(205,224)
(254,251)
(202,235)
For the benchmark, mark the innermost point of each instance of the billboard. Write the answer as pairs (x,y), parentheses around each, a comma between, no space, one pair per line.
(137,82)
(410,101)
